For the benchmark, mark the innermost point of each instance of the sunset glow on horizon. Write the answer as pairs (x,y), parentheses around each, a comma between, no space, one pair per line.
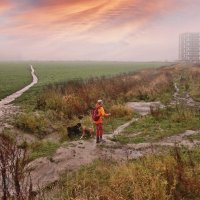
(128,30)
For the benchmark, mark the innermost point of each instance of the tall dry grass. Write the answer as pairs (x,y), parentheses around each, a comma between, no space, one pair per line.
(77,97)
(193,82)
(171,176)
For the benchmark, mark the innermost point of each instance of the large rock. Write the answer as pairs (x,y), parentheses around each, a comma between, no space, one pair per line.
(144,108)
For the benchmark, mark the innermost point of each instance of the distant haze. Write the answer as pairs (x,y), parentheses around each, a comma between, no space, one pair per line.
(127,30)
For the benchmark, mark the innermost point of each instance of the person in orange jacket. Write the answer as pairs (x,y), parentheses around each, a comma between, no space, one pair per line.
(99,122)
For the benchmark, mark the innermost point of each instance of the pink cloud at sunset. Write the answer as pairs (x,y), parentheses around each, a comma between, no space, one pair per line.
(91,29)
(4,5)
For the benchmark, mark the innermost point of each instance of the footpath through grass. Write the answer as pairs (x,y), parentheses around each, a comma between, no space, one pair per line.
(13,76)
(167,122)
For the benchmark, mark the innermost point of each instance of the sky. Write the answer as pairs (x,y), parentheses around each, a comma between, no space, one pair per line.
(121,30)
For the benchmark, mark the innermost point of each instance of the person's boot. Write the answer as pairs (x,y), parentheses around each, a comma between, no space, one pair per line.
(101,139)
(98,140)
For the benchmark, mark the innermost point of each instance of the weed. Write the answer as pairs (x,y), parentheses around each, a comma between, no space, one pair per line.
(35,123)
(121,111)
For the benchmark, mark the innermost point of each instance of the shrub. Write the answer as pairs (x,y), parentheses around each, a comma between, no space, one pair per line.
(15,176)
(77,97)
(171,176)
(35,123)
(121,111)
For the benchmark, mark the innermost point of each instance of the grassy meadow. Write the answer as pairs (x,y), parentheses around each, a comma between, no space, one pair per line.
(13,76)
(55,72)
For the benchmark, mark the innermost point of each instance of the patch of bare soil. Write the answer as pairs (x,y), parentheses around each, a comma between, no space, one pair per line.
(143,108)
(73,155)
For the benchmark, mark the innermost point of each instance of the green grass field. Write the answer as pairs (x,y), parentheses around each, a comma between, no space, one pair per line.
(15,75)
(51,72)
(55,72)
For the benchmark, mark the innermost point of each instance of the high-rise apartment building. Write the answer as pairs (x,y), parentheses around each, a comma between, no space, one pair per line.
(189,47)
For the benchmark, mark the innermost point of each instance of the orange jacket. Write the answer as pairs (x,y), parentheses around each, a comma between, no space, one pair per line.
(101,113)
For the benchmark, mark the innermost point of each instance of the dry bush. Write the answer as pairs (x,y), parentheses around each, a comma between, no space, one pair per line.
(194,83)
(15,177)
(121,111)
(77,97)
(183,112)
(36,123)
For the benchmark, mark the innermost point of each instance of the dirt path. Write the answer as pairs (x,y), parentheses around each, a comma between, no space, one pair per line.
(184,98)
(71,156)
(6,109)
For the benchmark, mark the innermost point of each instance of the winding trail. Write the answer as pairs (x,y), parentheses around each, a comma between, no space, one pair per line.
(185,98)
(7,109)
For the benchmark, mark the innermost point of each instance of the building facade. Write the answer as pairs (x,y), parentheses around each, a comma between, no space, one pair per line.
(189,47)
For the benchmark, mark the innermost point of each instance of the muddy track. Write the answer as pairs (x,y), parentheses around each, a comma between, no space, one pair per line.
(7,110)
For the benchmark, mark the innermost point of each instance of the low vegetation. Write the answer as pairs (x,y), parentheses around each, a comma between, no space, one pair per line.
(189,81)
(193,83)
(13,76)
(42,149)
(81,95)
(60,104)
(59,72)
(36,123)
(194,137)
(174,175)
(160,124)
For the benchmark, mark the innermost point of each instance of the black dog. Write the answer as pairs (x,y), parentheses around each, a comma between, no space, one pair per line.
(74,130)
